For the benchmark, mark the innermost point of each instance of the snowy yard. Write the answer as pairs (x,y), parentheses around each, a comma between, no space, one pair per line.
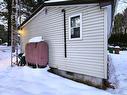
(120,64)
(28,81)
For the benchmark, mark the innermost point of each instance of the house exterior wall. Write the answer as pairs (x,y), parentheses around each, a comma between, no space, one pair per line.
(86,56)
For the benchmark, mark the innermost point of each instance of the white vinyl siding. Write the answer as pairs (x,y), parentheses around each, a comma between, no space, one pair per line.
(84,56)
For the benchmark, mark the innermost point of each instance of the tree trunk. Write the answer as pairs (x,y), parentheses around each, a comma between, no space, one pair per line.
(9,6)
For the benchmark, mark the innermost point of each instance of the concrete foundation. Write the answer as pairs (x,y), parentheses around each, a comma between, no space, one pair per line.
(89,80)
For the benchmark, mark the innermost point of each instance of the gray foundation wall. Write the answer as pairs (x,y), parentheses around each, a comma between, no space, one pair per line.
(89,80)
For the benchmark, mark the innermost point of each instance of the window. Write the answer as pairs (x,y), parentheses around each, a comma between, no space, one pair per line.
(75,27)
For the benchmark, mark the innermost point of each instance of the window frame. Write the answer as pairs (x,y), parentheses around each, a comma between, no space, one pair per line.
(74,15)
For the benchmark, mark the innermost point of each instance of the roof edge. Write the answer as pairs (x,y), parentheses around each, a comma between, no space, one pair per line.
(70,2)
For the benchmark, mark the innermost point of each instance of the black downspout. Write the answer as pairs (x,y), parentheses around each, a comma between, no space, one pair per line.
(65,46)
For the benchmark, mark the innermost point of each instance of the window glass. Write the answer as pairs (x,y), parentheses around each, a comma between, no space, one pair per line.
(75,26)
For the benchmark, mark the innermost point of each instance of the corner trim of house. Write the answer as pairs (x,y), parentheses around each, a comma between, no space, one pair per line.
(105,40)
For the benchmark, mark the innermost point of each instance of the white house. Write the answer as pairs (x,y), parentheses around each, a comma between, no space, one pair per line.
(76,32)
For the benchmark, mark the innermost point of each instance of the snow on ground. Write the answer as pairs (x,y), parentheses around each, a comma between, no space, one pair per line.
(119,62)
(28,81)
(5,54)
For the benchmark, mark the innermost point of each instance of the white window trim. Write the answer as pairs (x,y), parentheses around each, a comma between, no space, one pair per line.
(80,14)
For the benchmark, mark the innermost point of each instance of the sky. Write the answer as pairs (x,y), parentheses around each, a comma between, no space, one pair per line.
(121,6)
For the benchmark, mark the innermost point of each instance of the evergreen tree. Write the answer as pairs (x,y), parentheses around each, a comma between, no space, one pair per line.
(119,33)
(116,37)
(7,16)
(3,34)
(26,9)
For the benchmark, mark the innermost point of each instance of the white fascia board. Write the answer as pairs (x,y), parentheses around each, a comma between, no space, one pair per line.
(105,40)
